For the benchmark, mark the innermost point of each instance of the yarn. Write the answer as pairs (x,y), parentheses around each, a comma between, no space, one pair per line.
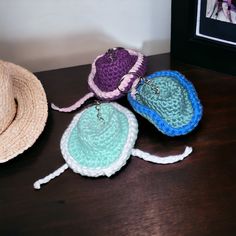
(160,160)
(94,147)
(95,143)
(59,171)
(169,101)
(98,142)
(78,104)
(111,67)
(112,75)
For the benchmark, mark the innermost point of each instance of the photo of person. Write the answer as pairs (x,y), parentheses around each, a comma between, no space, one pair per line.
(216,20)
(222,10)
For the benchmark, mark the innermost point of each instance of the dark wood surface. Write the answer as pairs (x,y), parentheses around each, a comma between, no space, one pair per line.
(193,197)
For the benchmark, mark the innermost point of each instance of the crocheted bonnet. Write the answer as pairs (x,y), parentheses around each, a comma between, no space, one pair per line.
(112,75)
(100,140)
(169,101)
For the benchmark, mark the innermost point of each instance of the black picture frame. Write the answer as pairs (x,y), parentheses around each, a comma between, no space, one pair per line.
(190,48)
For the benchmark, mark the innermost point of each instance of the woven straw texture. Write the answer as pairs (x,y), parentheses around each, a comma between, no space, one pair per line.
(95,147)
(169,101)
(23,110)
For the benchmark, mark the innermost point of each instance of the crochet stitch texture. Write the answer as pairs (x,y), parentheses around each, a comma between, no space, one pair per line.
(106,147)
(114,72)
(169,101)
(112,76)
(100,140)
(112,67)
(97,143)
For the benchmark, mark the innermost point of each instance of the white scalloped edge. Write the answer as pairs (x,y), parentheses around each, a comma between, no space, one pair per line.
(114,167)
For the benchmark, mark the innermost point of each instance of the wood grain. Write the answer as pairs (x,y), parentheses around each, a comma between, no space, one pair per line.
(193,197)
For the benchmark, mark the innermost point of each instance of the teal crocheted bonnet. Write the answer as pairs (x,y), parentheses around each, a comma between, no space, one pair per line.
(99,141)
(169,101)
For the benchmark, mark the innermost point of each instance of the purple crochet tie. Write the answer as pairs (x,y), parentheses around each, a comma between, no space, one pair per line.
(112,76)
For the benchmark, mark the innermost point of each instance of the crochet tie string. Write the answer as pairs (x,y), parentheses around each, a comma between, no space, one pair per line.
(76,105)
(135,152)
(59,171)
(112,75)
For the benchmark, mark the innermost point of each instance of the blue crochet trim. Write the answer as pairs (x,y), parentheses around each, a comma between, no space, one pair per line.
(153,116)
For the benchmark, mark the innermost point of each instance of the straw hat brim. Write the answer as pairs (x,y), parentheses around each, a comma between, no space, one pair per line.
(31,115)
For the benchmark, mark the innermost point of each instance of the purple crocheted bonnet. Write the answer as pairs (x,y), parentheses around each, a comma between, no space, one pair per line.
(114,72)
(112,76)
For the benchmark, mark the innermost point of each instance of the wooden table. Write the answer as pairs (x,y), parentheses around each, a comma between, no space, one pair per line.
(193,197)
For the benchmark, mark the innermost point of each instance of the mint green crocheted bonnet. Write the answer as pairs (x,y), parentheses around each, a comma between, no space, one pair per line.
(99,141)
(95,140)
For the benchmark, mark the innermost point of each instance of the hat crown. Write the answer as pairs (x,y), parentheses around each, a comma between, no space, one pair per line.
(100,141)
(98,129)
(171,101)
(7,102)
(111,67)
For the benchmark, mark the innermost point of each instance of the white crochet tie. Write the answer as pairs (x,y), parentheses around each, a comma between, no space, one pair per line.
(135,152)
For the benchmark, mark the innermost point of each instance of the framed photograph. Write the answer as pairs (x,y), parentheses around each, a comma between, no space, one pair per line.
(203,32)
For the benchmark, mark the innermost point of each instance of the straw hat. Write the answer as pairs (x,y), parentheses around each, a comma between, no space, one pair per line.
(112,76)
(99,141)
(169,101)
(23,110)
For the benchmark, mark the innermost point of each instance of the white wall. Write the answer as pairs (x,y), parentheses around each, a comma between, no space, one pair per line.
(50,34)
